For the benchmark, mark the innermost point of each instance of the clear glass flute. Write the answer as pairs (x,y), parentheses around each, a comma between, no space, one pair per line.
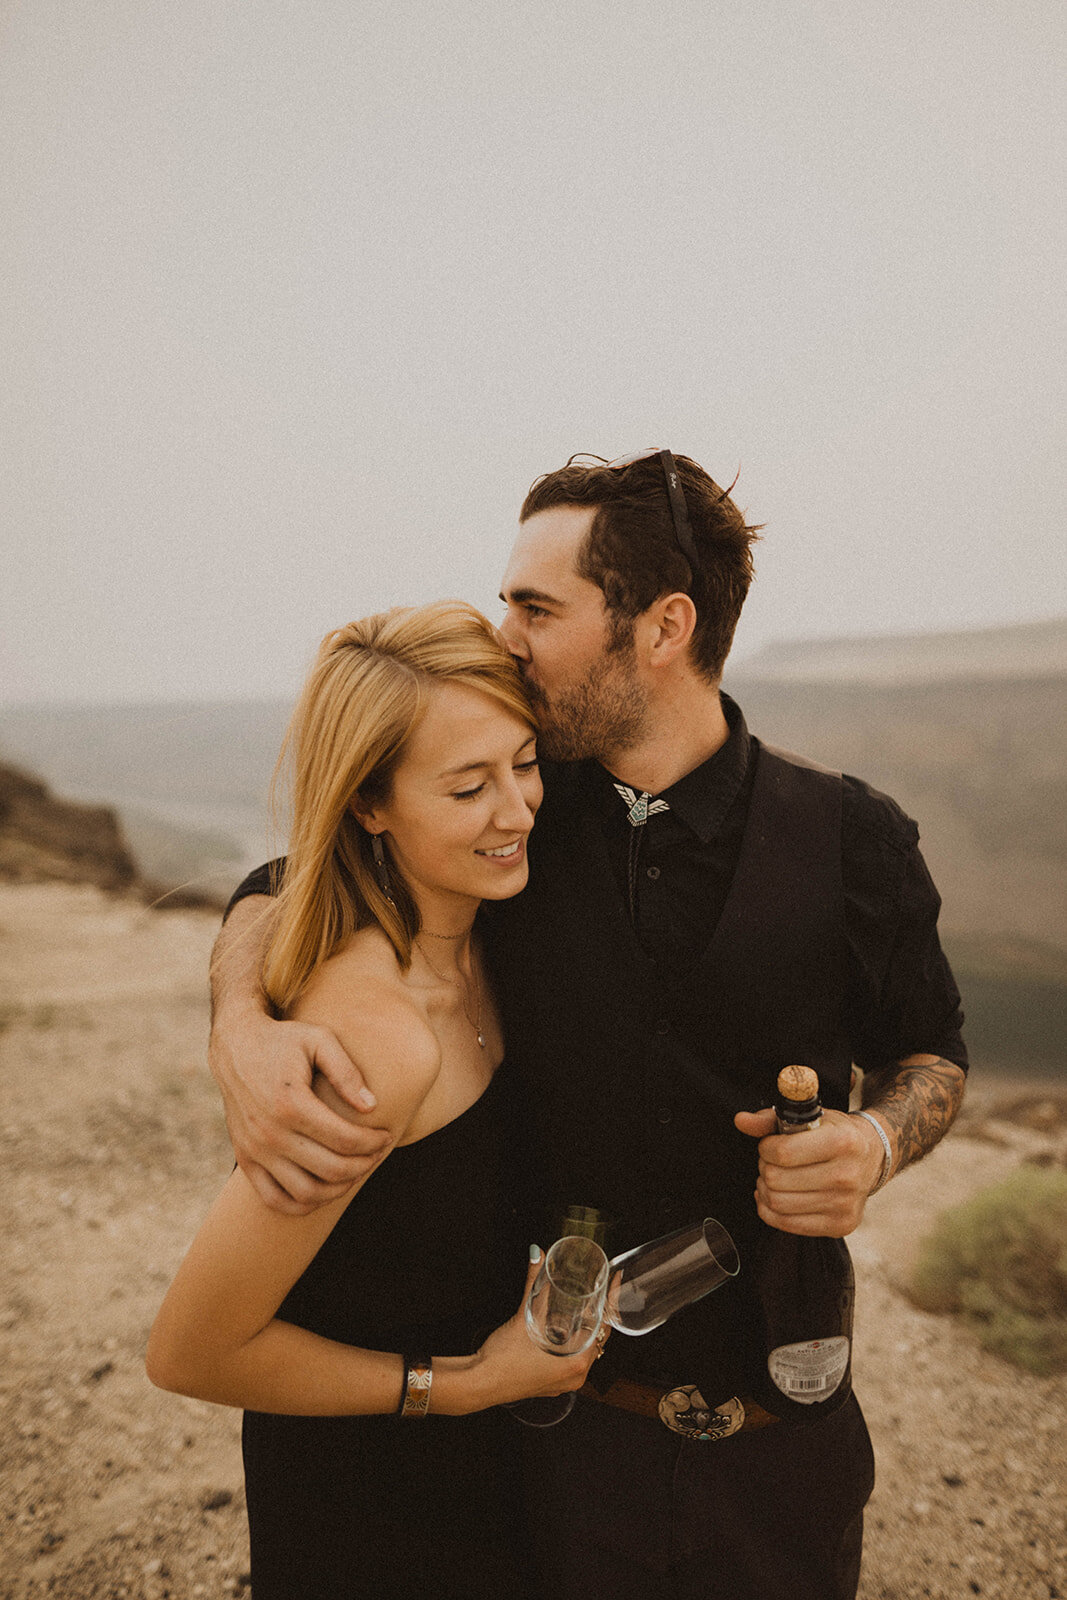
(563,1313)
(649,1284)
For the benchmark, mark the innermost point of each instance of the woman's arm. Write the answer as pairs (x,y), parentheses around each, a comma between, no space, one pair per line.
(217,1336)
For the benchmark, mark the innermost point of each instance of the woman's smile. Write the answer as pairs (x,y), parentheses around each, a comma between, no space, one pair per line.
(508,853)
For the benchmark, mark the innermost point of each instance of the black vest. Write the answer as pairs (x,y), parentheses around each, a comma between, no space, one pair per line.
(631,1092)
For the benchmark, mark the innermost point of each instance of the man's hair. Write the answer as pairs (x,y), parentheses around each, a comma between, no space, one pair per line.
(632,552)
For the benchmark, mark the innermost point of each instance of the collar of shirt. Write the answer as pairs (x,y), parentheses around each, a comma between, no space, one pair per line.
(701,799)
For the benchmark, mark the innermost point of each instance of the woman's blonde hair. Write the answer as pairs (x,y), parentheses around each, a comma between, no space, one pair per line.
(365,696)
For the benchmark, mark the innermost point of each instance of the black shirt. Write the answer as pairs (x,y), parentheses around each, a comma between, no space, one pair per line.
(675,871)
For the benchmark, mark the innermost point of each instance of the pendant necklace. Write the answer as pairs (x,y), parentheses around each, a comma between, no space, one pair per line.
(476,1020)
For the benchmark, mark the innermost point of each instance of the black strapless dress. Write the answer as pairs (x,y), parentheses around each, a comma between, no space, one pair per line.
(426,1259)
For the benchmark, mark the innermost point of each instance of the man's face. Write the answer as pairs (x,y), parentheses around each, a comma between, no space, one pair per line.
(583,681)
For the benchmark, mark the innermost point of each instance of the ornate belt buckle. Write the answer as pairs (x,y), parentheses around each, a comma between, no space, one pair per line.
(685,1411)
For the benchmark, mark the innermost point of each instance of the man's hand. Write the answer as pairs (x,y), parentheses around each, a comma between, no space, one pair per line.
(295,1151)
(818,1181)
(815,1182)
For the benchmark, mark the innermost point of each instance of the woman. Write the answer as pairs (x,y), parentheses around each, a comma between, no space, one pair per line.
(415,790)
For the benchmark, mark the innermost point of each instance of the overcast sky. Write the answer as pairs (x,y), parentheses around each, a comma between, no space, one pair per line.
(298,296)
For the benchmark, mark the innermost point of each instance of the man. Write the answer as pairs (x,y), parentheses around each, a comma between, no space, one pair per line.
(701,911)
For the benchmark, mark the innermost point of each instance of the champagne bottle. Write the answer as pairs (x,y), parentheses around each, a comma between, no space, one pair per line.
(586,1222)
(806,1289)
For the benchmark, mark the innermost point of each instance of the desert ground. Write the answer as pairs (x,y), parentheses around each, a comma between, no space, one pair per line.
(112,1145)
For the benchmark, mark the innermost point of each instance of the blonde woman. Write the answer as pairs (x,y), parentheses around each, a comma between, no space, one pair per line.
(377,1461)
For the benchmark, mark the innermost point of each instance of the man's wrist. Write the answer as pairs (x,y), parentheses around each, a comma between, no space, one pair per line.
(884,1148)
(241,1009)
(238,1019)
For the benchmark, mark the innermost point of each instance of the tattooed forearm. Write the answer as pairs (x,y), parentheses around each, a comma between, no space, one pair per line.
(917,1101)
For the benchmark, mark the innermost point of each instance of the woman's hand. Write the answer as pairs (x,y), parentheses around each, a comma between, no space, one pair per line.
(510,1367)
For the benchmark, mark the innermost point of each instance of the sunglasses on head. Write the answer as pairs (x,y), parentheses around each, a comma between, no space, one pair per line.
(683,531)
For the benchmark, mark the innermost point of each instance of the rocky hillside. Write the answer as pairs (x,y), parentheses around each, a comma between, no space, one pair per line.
(47,840)
(44,839)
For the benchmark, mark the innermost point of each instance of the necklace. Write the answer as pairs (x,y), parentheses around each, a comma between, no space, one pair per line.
(476,1020)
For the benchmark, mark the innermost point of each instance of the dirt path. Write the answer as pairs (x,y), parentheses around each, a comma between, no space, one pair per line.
(111,1144)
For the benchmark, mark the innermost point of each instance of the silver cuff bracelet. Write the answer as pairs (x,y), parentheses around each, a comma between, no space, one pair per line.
(887,1149)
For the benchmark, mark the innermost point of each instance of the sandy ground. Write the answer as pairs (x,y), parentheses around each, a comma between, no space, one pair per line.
(111,1145)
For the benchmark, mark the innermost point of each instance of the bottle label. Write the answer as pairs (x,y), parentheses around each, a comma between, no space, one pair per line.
(810,1371)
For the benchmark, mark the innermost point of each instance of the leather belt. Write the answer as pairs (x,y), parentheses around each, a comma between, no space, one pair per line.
(684,1409)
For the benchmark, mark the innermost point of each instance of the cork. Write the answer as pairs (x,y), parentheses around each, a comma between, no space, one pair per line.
(798,1083)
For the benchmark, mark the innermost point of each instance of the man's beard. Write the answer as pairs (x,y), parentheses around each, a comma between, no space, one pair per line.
(605,714)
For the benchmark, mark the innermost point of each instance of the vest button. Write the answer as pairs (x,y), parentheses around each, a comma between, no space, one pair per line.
(652,872)
(663,1027)
(664,1115)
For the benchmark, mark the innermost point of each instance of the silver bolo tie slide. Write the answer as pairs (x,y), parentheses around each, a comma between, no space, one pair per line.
(639,807)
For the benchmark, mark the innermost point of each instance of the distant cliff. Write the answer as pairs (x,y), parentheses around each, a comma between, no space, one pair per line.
(44,839)
(1020,651)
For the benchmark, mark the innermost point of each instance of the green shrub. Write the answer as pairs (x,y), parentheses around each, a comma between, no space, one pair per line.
(1000,1262)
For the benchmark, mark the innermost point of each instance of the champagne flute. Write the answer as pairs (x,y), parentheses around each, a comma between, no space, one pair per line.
(563,1312)
(653,1281)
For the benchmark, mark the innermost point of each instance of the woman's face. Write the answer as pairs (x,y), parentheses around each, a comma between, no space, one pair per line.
(462,803)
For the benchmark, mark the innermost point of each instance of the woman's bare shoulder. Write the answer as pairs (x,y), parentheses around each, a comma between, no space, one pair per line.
(360,995)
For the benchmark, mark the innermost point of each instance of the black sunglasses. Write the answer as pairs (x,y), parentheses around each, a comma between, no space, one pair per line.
(683,530)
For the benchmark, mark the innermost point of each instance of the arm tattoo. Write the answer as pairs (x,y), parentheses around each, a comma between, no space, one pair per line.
(918,1104)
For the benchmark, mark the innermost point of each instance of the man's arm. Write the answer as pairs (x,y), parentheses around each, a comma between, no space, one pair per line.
(901,995)
(818,1183)
(294,1150)
(916,1103)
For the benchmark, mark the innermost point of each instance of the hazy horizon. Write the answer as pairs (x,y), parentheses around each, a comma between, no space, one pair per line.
(776,650)
(298,301)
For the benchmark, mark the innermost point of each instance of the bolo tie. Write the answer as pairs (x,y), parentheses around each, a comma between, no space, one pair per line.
(639,807)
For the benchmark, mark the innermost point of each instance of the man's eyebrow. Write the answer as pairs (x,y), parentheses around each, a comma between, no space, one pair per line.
(525,596)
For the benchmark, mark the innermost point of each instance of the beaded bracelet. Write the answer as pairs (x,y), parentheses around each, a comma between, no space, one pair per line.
(415,1395)
(887,1149)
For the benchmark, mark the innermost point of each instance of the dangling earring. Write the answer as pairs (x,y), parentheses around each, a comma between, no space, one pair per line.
(381,867)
